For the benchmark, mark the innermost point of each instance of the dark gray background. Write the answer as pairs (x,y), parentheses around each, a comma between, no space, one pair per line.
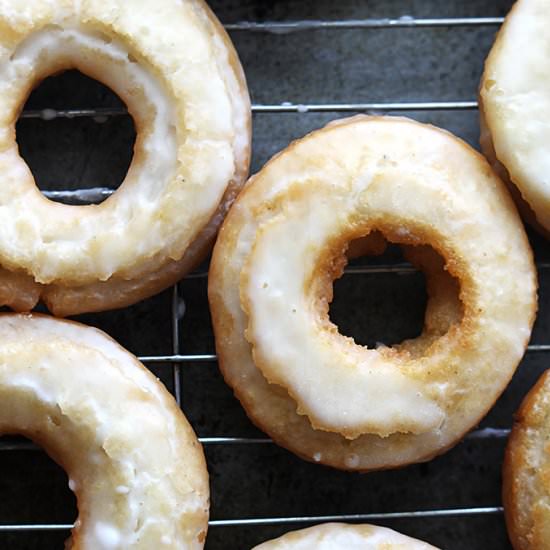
(261,480)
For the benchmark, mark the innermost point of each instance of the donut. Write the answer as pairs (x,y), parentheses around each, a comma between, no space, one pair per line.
(526,471)
(174,66)
(315,391)
(341,536)
(514,102)
(133,460)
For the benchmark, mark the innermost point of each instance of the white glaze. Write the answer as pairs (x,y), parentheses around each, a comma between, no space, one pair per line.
(361,174)
(106,537)
(339,536)
(188,96)
(129,452)
(515,102)
(338,385)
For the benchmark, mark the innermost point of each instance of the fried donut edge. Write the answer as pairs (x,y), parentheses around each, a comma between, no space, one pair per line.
(529,198)
(526,471)
(18,289)
(43,337)
(312,445)
(342,536)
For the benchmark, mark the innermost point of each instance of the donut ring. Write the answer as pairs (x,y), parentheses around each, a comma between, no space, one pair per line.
(270,284)
(340,536)
(526,471)
(514,103)
(133,461)
(174,66)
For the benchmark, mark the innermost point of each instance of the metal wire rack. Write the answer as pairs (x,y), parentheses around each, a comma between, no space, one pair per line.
(178,360)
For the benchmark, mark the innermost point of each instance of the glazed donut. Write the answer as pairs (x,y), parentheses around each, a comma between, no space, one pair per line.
(133,461)
(315,391)
(340,536)
(526,471)
(174,66)
(514,104)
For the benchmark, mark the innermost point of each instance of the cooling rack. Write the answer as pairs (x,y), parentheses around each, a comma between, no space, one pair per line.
(260,476)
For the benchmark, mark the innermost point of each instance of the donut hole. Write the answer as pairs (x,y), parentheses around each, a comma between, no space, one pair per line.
(34,490)
(80,159)
(403,308)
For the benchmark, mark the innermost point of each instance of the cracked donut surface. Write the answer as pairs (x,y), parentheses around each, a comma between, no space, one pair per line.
(175,68)
(515,108)
(341,536)
(133,460)
(314,390)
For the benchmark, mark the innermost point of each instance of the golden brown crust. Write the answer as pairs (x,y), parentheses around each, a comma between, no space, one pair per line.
(488,149)
(141,482)
(513,99)
(136,277)
(117,293)
(342,536)
(269,405)
(526,471)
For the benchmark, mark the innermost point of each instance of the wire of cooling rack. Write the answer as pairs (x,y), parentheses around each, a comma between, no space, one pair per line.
(285,107)
(178,359)
(405,21)
(453,512)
